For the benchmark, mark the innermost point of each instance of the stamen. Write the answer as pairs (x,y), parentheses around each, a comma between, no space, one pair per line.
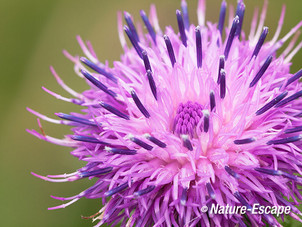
(222,16)
(210,190)
(148,25)
(170,50)
(206,120)
(242,200)
(144,191)
(292,130)
(294,77)
(184,9)
(277,173)
(240,13)
(120,151)
(87,139)
(231,172)
(155,140)
(95,172)
(183,198)
(132,28)
(152,84)
(231,37)
(273,102)
(289,99)
(98,69)
(244,141)
(269,171)
(187,142)
(212,100)
(116,189)
(97,83)
(114,111)
(260,42)
(146,61)
(262,70)
(198,47)
(221,66)
(285,140)
(181,28)
(133,41)
(76,119)
(139,105)
(222,84)
(140,143)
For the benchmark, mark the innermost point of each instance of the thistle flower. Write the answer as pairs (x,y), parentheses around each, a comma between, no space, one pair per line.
(186,119)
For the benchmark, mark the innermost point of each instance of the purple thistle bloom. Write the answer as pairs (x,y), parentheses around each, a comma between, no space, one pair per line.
(187,119)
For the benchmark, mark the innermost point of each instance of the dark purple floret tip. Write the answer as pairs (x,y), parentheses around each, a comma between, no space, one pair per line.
(206,120)
(240,13)
(210,190)
(289,99)
(231,172)
(260,42)
(170,50)
(272,103)
(116,190)
(133,41)
(132,28)
(155,141)
(95,172)
(231,37)
(139,104)
(244,141)
(122,151)
(220,67)
(242,200)
(293,130)
(181,28)
(141,143)
(262,70)
(98,69)
(285,140)
(222,84)
(294,77)
(212,100)
(148,25)
(146,61)
(222,17)
(198,47)
(87,139)
(152,84)
(144,191)
(114,111)
(98,83)
(76,119)
(186,142)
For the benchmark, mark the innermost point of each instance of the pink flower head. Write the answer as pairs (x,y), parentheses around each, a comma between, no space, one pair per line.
(187,119)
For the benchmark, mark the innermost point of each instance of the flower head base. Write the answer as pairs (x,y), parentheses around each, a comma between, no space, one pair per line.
(187,119)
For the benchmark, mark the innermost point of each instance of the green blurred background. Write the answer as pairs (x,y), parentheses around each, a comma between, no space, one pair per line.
(32,36)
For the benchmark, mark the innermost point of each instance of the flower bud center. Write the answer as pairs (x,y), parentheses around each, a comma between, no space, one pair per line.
(187,117)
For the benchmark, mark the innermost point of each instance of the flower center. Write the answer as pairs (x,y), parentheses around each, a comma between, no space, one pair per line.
(187,117)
